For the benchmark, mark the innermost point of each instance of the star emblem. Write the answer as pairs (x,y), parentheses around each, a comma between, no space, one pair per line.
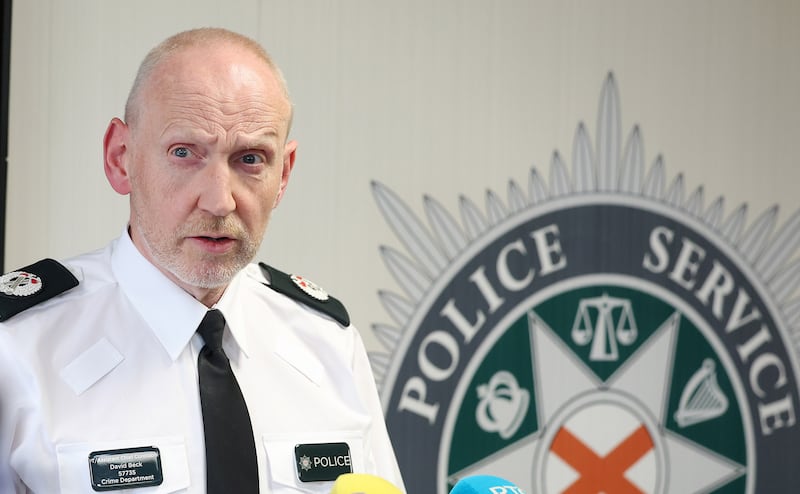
(609,434)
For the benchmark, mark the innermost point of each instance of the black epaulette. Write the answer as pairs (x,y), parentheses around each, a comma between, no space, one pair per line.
(32,285)
(306,292)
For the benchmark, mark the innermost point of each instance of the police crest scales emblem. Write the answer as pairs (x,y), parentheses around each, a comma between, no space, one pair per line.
(605,332)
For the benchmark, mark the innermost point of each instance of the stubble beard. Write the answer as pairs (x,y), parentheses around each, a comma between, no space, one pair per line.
(198,269)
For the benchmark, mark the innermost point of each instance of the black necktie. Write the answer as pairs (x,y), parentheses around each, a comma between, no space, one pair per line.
(231,465)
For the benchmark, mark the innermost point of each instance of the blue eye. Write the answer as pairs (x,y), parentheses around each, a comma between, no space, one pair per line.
(181,152)
(251,159)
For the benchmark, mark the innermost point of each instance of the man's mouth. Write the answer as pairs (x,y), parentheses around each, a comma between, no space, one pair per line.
(216,244)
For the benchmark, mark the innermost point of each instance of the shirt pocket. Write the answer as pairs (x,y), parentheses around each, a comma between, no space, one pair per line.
(75,477)
(282,464)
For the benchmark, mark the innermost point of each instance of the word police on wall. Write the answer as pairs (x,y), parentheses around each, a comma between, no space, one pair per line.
(605,297)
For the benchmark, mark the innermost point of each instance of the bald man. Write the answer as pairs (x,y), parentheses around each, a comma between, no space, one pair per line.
(168,361)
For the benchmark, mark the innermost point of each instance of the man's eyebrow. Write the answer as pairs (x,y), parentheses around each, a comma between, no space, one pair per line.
(267,138)
(176,131)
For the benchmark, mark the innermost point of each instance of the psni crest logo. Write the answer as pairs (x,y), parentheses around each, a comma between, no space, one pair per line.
(603,333)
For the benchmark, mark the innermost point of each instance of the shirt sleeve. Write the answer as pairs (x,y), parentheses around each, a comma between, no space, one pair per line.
(378,441)
(26,464)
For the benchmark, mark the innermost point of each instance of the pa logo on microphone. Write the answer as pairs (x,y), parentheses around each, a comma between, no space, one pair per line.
(485,484)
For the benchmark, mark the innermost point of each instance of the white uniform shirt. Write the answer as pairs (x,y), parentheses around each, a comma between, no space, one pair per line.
(112,364)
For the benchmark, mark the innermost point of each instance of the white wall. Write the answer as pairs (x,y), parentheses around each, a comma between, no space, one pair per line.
(442,98)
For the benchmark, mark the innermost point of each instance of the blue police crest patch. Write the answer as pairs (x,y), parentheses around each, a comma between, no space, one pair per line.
(605,332)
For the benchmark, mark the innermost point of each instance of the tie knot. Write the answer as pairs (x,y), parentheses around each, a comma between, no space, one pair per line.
(211,329)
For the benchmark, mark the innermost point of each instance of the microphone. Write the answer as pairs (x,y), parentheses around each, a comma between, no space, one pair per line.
(485,484)
(363,483)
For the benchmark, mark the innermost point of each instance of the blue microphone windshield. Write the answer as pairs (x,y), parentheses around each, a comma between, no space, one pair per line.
(485,484)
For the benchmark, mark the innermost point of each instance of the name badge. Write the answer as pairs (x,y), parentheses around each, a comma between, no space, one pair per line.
(125,468)
(322,461)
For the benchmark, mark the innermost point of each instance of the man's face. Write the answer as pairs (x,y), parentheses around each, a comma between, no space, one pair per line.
(207,162)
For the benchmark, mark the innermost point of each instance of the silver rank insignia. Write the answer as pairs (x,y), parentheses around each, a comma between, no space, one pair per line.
(20,284)
(310,288)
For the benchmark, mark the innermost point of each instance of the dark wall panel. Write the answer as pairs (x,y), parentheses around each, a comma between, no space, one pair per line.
(5,55)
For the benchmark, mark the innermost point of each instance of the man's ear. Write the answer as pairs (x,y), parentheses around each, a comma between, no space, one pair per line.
(289,154)
(117,155)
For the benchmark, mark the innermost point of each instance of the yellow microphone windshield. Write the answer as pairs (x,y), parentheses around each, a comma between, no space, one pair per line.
(363,483)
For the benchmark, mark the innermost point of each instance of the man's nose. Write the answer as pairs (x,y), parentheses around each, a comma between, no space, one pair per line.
(216,189)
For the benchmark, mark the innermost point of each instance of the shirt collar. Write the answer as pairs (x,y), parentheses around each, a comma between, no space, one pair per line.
(172,314)
(234,312)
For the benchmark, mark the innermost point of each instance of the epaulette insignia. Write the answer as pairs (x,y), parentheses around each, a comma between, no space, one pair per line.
(32,285)
(306,292)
